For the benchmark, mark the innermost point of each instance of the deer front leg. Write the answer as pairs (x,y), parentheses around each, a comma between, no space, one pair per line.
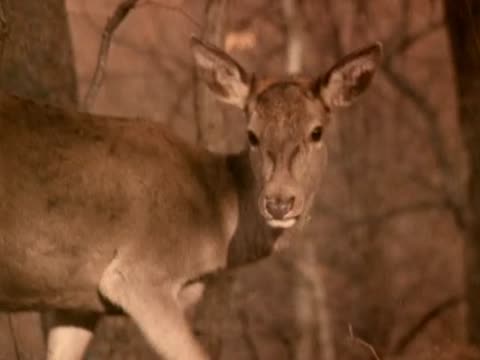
(69,335)
(153,306)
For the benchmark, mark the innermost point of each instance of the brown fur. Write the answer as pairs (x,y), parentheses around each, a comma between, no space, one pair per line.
(77,188)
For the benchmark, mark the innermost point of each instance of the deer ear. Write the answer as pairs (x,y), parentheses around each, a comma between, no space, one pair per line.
(350,77)
(223,75)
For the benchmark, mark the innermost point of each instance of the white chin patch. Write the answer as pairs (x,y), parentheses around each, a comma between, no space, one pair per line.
(283,224)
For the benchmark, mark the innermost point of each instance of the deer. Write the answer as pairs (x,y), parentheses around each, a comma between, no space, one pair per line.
(103,215)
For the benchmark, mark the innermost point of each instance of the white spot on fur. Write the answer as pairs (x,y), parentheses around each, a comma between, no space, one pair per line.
(67,342)
(282,224)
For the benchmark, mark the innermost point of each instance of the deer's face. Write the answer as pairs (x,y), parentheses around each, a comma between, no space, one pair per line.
(285,135)
(285,124)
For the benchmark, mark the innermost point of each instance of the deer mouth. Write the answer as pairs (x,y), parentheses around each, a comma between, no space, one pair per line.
(282,223)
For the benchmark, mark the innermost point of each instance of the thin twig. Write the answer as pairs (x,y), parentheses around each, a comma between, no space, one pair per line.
(113,22)
(436,138)
(412,39)
(363,343)
(172,8)
(14,337)
(433,313)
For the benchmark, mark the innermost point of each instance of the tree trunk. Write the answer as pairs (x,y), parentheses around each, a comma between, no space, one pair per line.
(37,63)
(210,122)
(38,59)
(463,20)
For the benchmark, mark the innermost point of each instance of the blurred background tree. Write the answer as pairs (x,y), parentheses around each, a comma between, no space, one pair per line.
(463,22)
(37,62)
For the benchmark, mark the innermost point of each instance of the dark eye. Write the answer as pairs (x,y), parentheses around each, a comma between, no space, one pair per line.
(252,139)
(316,134)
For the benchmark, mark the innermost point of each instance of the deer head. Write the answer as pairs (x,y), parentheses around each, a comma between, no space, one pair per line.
(285,123)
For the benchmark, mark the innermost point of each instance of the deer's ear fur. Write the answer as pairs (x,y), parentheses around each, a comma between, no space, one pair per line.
(349,77)
(223,75)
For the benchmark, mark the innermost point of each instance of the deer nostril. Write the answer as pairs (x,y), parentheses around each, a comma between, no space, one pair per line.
(278,207)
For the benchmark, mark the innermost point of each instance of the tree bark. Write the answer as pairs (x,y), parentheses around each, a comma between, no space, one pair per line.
(463,21)
(38,59)
(37,63)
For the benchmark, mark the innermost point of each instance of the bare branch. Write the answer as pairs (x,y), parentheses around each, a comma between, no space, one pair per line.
(172,8)
(410,335)
(436,137)
(400,30)
(12,331)
(363,343)
(267,11)
(121,12)
(403,85)
(401,40)
(408,41)
(429,113)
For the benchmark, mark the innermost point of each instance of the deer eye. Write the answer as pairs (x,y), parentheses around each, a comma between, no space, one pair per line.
(316,134)
(252,139)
